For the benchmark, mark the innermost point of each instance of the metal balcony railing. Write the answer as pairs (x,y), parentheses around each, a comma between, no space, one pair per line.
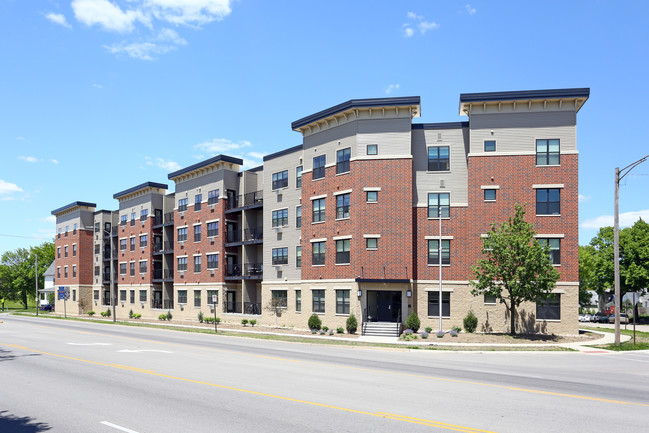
(233,270)
(252,308)
(253,269)
(233,307)
(169,218)
(256,234)
(234,236)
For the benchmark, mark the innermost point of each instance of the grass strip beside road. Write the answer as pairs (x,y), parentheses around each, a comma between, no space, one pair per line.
(642,340)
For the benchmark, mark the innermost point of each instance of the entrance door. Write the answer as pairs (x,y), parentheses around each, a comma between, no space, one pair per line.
(232,199)
(230,301)
(384,306)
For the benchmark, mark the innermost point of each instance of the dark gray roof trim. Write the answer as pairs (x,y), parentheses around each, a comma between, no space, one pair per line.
(205,163)
(445,125)
(356,103)
(283,152)
(139,187)
(102,211)
(583,92)
(255,169)
(73,204)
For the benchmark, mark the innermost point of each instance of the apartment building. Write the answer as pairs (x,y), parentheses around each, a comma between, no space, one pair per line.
(348,221)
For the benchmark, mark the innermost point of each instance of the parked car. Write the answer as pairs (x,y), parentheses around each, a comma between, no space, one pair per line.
(582,317)
(46,307)
(600,318)
(624,319)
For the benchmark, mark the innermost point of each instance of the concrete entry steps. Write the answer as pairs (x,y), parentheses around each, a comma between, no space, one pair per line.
(381,329)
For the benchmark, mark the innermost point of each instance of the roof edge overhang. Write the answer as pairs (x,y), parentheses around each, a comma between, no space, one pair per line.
(73,205)
(580,94)
(203,164)
(139,187)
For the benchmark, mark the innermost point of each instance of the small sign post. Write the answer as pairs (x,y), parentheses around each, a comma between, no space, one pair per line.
(214,303)
(64,294)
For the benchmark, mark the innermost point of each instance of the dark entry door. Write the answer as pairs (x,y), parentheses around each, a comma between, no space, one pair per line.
(230,302)
(384,306)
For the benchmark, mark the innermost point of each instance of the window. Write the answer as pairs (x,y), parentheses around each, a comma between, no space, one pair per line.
(132,243)
(58,252)
(74,295)
(547,152)
(198,198)
(342,206)
(122,295)
(97,271)
(548,201)
(182,264)
(197,233)
(182,234)
(213,229)
(298,177)
(182,205)
(123,220)
(212,261)
(74,250)
(490,145)
(182,296)
(97,226)
(74,229)
(438,158)
(342,160)
(144,214)
(280,218)
(280,179)
(213,196)
(66,231)
(279,298)
(122,244)
(97,249)
(342,301)
(433,304)
(144,240)
(95,295)
(122,268)
(143,267)
(132,296)
(319,163)
(318,210)
(66,251)
(318,253)
(298,216)
(58,272)
(197,264)
(74,270)
(318,301)
(142,295)
(550,308)
(197,298)
(65,272)
(298,300)
(555,249)
(280,256)
(210,296)
(433,252)
(132,269)
(490,195)
(372,196)
(372,243)
(489,299)
(439,204)
(372,149)
(298,257)
(342,251)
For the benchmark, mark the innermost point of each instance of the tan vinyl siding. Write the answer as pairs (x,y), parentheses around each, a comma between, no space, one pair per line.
(391,135)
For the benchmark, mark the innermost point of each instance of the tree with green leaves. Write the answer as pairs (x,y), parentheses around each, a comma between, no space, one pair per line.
(634,257)
(516,268)
(17,271)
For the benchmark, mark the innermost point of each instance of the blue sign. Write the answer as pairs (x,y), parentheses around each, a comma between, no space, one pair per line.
(64,293)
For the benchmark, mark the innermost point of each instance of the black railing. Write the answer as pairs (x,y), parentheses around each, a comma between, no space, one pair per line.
(169,218)
(252,307)
(168,304)
(233,270)
(232,307)
(156,304)
(232,202)
(253,198)
(234,236)
(157,220)
(256,234)
(253,269)
(163,246)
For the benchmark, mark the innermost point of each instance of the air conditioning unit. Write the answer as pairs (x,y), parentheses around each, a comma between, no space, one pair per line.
(211,273)
(211,207)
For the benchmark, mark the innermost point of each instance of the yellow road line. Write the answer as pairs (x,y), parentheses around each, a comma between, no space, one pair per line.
(263,394)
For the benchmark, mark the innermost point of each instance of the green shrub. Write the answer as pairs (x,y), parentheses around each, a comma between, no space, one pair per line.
(325,328)
(456,329)
(163,316)
(169,315)
(91,313)
(340,330)
(440,334)
(429,329)
(244,322)
(217,320)
(208,319)
(470,322)
(200,317)
(413,322)
(315,322)
(130,314)
(103,314)
(352,324)
(136,315)
(253,322)
(108,312)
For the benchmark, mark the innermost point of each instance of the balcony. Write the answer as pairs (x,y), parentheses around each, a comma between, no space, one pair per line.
(163,275)
(233,237)
(167,304)
(255,235)
(165,247)
(245,201)
(233,307)
(252,308)
(249,271)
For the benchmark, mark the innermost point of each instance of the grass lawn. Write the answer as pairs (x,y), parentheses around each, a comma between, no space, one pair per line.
(641,338)
(18,305)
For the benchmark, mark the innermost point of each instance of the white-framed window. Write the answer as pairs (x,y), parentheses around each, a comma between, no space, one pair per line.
(280,218)
(280,256)
(438,158)
(280,179)
(439,204)
(433,304)
(343,157)
(372,149)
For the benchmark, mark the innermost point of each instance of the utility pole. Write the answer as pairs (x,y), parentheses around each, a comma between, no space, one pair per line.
(38,300)
(619,175)
(112,275)
(439,256)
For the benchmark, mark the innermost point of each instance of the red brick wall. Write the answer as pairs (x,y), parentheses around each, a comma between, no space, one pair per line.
(138,254)
(83,259)
(391,217)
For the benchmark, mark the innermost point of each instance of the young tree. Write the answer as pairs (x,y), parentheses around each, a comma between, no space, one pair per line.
(17,270)
(634,257)
(517,268)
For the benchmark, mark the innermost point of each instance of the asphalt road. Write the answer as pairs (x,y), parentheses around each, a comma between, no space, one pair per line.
(65,376)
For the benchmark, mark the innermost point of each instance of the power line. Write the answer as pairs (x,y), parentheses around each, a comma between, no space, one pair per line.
(26,237)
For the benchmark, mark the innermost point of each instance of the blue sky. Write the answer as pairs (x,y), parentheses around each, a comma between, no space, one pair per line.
(97,96)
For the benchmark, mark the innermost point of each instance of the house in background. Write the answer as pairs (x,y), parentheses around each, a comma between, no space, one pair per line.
(48,287)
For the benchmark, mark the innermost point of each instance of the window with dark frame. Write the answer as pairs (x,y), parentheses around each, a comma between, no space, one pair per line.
(212,261)
(279,298)
(132,268)
(143,267)
(438,158)
(213,228)
(318,253)
(439,203)
(197,264)
(280,179)
(555,249)
(342,301)
(372,196)
(210,296)
(318,301)
(298,300)
(182,234)
(433,304)
(279,218)
(144,214)
(132,296)
(342,206)
(298,217)
(123,220)
(122,244)
(74,250)
(549,308)
(490,194)
(213,196)
(298,257)
(182,264)
(122,268)
(144,241)
(67,249)
(197,298)
(132,243)
(371,243)
(182,296)
(122,295)
(319,163)
(342,251)
(548,201)
(547,152)
(74,271)
(142,295)
(198,201)
(372,149)
(197,233)
(318,210)
(182,204)
(343,156)
(132,218)
(298,177)
(490,145)
(280,256)
(433,252)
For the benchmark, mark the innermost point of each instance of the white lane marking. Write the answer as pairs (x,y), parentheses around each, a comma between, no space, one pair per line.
(118,427)
(142,350)
(90,344)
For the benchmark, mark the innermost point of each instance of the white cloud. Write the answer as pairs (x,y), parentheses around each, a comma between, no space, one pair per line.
(8,188)
(414,16)
(583,198)
(58,19)
(54,161)
(107,15)
(419,23)
(470,9)
(391,87)
(167,40)
(97,86)
(220,145)
(627,219)
(28,158)
(50,219)
(189,12)
(257,155)
(165,164)
(408,32)
(424,26)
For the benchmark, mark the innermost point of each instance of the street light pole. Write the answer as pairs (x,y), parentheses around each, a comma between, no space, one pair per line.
(439,256)
(38,300)
(112,275)
(619,175)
